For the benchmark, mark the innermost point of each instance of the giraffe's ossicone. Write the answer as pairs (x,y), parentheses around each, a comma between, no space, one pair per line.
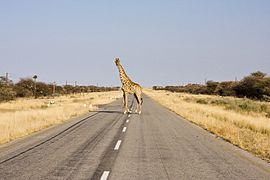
(129,87)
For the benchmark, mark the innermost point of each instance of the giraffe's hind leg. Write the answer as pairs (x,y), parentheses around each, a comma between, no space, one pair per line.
(139,103)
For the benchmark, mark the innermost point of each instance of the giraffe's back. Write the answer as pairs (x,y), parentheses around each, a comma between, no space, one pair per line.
(132,87)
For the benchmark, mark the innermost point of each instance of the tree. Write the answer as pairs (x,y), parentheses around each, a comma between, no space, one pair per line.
(211,87)
(43,89)
(69,89)
(4,81)
(258,74)
(195,88)
(254,86)
(226,88)
(6,89)
(25,87)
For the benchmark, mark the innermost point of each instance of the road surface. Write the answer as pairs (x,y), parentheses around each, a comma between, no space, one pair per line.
(110,145)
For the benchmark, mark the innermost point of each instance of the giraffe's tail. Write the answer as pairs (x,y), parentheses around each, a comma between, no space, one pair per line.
(141,101)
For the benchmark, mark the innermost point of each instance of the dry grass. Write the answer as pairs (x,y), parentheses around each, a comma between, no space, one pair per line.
(246,127)
(24,116)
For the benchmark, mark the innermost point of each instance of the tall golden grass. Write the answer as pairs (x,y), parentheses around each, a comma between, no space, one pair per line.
(24,116)
(248,128)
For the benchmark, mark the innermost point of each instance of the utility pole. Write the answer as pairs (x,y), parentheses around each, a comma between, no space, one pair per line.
(35,85)
(75,89)
(65,88)
(53,88)
(7,79)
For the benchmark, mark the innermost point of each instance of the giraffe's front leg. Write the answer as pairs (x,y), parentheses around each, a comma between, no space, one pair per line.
(137,105)
(126,103)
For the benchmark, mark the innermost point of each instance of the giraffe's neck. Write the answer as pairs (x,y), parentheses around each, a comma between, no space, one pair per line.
(123,76)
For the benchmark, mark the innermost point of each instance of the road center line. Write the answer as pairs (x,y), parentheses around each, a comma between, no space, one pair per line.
(105,175)
(127,121)
(117,145)
(124,129)
(129,115)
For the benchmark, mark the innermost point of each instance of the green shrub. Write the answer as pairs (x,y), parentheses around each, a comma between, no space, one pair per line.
(25,88)
(211,87)
(220,102)
(202,101)
(43,89)
(7,93)
(263,108)
(188,99)
(226,88)
(254,86)
(268,115)
(44,106)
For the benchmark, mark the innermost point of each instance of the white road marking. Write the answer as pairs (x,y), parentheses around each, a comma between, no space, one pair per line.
(105,175)
(129,115)
(127,121)
(117,145)
(124,129)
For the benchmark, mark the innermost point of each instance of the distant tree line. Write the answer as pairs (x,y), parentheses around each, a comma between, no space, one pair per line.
(27,87)
(254,86)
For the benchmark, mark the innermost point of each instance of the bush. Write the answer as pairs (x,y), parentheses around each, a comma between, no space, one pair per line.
(6,89)
(195,89)
(267,115)
(202,101)
(220,102)
(7,93)
(211,87)
(225,88)
(43,89)
(190,88)
(254,86)
(25,88)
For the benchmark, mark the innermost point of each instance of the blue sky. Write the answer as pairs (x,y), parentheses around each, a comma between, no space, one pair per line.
(159,42)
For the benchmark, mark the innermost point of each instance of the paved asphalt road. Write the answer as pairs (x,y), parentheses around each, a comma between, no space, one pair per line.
(108,144)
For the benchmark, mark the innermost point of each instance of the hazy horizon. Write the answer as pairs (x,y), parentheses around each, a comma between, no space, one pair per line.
(158,42)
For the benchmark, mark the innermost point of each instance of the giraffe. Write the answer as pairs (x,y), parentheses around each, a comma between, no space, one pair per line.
(129,87)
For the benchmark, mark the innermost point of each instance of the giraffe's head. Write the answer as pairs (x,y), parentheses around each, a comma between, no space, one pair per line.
(117,61)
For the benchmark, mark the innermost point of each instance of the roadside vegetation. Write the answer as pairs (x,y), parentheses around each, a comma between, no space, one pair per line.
(24,116)
(254,86)
(241,121)
(29,88)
